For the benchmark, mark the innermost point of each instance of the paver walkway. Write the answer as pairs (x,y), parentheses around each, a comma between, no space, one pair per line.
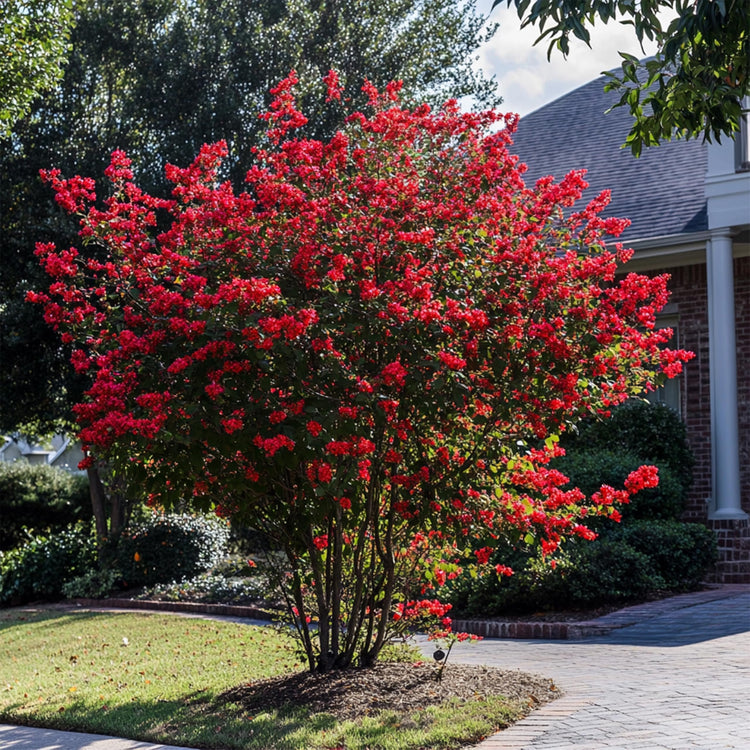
(675,681)
(678,679)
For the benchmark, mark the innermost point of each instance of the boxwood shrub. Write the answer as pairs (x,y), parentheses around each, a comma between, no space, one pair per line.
(40,568)
(606,571)
(40,499)
(489,595)
(625,563)
(680,553)
(170,548)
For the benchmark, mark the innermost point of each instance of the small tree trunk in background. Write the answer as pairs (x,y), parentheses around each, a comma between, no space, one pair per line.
(98,502)
(119,505)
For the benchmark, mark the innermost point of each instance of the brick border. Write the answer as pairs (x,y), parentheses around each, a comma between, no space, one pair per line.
(620,618)
(532,630)
(198,608)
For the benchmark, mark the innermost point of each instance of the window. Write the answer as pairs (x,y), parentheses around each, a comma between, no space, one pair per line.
(670,392)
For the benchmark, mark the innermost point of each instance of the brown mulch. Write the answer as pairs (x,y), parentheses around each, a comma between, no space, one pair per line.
(559,615)
(352,693)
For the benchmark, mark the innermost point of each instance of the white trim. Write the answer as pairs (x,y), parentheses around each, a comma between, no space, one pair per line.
(668,251)
(726,502)
(674,251)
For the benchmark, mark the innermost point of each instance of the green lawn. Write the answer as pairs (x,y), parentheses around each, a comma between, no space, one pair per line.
(160,678)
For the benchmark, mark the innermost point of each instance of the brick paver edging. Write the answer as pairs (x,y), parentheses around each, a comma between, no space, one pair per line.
(553,631)
(199,608)
(621,618)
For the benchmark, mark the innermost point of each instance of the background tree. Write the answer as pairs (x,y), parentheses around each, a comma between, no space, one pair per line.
(159,79)
(367,354)
(696,82)
(33,49)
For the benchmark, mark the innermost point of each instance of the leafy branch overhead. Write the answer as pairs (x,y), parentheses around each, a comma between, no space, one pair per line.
(695,83)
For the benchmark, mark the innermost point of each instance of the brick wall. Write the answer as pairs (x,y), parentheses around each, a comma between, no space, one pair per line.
(742,306)
(689,295)
(733,541)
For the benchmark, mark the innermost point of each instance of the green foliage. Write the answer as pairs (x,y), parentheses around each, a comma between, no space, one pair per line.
(695,83)
(605,572)
(679,553)
(211,588)
(653,432)
(527,590)
(625,563)
(590,469)
(35,499)
(94,584)
(40,568)
(33,48)
(587,574)
(170,548)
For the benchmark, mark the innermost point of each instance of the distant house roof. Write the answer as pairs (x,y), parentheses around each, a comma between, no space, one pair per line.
(662,192)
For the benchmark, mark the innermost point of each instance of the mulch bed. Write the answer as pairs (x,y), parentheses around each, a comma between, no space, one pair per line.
(352,693)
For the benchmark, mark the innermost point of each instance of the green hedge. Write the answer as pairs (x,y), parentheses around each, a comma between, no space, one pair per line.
(40,499)
(40,568)
(590,469)
(626,563)
(606,572)
(161,550)
(653,432)
(680,553)
(170,548)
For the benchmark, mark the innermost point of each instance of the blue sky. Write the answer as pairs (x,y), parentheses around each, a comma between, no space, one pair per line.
(527,80)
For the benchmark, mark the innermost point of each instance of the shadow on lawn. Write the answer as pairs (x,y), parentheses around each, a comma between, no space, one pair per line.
(196,721)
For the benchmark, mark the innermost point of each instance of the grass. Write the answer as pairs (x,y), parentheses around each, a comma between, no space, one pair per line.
(160,679)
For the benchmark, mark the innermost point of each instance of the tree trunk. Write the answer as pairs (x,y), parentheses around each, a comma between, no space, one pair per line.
(117,514)
(98,503)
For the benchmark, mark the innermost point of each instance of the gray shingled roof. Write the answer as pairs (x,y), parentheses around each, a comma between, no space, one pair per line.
(662,192)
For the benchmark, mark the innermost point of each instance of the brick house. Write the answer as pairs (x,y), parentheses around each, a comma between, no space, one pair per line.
(689,203)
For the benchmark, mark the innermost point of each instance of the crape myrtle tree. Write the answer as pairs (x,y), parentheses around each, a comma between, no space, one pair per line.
(367,353)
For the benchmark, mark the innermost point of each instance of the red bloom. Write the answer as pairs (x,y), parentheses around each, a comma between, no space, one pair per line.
(641,478)
(394,374)
(314,428)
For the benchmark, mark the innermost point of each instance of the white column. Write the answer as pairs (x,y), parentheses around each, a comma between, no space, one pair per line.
(723,362)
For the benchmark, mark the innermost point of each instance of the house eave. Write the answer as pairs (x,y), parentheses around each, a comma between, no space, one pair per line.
(668,251)
(674,250)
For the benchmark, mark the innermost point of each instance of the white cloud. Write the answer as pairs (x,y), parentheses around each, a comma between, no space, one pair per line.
(527,80)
